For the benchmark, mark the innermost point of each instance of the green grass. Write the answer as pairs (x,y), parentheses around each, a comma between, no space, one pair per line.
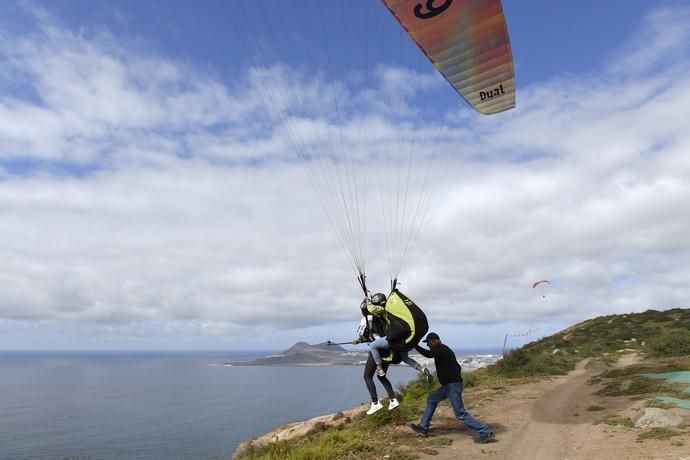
(615,420)
(329,443)
(441,441)
(675,342)
(657,433)
(658,404)
(656,333)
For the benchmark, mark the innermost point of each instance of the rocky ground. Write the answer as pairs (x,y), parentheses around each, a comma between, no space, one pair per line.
(556,418)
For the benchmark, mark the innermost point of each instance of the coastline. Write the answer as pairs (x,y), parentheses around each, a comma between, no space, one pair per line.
(298,428)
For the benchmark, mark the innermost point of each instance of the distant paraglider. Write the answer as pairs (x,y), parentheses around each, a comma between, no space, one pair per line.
(540,282)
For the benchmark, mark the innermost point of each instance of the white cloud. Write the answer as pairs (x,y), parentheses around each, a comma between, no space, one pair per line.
(195,214)
(664,37)
(93,96)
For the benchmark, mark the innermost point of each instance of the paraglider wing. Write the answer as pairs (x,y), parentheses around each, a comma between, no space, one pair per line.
(467,41)
(537,283)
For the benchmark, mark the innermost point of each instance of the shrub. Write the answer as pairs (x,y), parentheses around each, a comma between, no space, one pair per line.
(657,433)
(613,420)
(523,362)
(673,343)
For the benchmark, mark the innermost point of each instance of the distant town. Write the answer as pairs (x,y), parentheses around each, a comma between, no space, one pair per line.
(323,354)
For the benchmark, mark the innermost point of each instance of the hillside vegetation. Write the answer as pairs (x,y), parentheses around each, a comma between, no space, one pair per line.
(654,333)
(660,334)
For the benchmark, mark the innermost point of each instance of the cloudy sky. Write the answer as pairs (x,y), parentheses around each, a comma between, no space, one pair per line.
(151,195)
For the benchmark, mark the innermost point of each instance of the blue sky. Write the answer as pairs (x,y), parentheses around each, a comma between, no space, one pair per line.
(549,38)
(150,197)
(587,31)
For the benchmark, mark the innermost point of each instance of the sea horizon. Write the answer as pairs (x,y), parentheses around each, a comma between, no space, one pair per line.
(464,350)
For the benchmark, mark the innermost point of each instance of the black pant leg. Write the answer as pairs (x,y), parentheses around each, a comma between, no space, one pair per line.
(387,385)
(369,370)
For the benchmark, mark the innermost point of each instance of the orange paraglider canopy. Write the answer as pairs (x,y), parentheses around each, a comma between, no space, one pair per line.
(467,41)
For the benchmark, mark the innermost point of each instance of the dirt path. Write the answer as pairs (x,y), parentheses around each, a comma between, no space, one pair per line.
(549,420)
(546,435)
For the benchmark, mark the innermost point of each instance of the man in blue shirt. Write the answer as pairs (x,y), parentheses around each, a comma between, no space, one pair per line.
(448,372)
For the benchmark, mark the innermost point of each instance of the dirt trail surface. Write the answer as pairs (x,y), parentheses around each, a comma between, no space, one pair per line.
(551,420)
(545,436)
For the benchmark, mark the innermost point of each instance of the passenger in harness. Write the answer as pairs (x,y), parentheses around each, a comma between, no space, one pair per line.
(371,328)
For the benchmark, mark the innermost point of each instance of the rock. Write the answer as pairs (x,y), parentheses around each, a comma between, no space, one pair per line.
(658,418)
(625,385)
(296,429)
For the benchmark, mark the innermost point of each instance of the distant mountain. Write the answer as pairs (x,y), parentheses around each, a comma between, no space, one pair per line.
(304,346)
(303,353)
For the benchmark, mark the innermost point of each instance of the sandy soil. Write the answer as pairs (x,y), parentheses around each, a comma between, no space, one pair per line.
(550,420)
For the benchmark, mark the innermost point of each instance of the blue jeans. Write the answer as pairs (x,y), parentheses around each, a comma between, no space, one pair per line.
(452,391)
(382,344)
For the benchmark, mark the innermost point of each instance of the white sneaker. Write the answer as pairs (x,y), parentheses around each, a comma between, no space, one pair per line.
(393,404)
(375,407)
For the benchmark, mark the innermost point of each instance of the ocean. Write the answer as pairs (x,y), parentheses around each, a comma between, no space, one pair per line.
(163,405)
